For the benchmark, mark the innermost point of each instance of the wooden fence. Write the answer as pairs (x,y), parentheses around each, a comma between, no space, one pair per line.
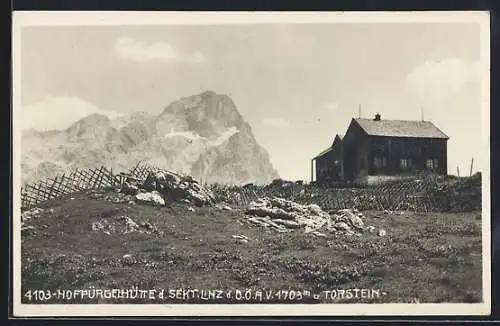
(78,180)
(142,170)
(424,196)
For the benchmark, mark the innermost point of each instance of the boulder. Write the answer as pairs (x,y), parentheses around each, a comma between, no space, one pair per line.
(152,198)
(130,225)
(177,188)
(288,223)
(342,226)
(224,207)
(351,217)
(292,215)
(129,189)
(370,229)
(288,213)
(32,213)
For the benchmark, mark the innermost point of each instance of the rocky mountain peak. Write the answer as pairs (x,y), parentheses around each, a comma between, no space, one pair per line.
(206,113)
(203,135)
(92,120)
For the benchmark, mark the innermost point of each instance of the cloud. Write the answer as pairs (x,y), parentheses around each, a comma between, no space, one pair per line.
(58,112)
(130,49)
(276,122)
(330,107)
(434,81)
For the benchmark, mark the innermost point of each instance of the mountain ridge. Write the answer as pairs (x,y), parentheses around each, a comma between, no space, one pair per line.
(203,135)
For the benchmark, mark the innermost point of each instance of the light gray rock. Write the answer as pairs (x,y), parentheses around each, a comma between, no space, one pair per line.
(152,198)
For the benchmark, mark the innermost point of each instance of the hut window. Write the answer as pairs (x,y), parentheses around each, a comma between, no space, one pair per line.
(430,164)
(403,163)
(380,162)
(436,161)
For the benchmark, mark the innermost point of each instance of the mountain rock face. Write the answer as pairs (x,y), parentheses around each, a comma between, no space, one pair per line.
(203,135)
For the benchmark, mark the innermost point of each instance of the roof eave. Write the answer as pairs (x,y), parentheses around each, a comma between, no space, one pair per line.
(323,153)
(397,136)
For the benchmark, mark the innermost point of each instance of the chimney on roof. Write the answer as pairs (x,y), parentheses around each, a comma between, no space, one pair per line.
(377,117)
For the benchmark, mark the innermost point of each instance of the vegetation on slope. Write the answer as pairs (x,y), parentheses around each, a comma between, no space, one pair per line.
(424,258)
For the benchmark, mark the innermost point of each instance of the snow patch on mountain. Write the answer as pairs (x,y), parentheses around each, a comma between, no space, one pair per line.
(189,135)
(225,136)
(207,141)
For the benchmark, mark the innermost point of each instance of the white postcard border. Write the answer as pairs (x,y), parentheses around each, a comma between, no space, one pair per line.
(71,18)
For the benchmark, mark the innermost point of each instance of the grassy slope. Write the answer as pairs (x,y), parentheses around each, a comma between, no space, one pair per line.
(433,257)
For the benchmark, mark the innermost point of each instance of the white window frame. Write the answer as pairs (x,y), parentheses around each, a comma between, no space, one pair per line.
(404,163)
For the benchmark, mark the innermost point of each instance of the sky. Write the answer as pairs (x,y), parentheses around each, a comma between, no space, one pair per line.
(296,85)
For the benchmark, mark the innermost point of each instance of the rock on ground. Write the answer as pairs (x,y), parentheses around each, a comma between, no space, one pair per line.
(223,207)
(32,213)
(351,217)
(129,189)
(152,198)
(122,225)
(286,215)
(177,188)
